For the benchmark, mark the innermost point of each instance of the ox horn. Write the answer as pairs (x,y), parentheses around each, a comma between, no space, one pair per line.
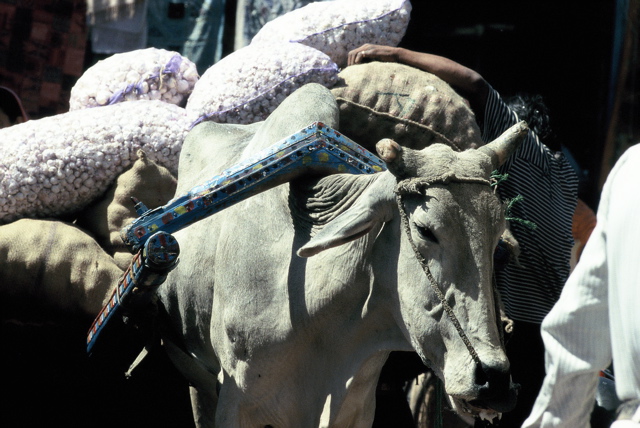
(397,158)
(506,144)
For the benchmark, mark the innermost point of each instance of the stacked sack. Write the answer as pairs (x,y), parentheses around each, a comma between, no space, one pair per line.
(147,181)
(247,85)
(56,264)
(52,254)
(306,45)
(412,107)
(337,27)
(82,166)
(144,74)
(57,165)
(74,267)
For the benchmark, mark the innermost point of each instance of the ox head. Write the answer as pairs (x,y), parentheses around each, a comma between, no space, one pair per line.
(452,221)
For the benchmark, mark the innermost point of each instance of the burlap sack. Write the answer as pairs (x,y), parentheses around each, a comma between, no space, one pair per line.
(148,182)
(56,264)
(389,100)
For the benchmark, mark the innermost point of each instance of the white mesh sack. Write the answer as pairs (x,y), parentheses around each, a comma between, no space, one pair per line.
(144,74)
(248,84)
(337,27)
(57,165)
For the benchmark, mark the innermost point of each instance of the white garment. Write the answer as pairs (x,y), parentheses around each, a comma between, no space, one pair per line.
(597,317)
(625,424)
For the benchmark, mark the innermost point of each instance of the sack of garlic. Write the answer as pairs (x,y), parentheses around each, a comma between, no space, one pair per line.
(339,26)
(59,164)
(247,85)
(412,107)
(144,74)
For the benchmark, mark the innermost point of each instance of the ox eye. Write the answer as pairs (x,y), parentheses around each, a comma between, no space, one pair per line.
(427,234)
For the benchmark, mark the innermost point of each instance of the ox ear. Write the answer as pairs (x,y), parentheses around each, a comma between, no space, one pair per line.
(506,144)
(374,206)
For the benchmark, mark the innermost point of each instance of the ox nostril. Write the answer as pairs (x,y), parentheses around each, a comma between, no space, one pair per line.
(495,389)
(480,377)
(492,378)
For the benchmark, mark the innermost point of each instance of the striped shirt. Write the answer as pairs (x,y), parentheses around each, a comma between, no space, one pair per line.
(549,187)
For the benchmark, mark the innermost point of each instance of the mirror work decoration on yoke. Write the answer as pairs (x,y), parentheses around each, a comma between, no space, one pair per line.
(316,148)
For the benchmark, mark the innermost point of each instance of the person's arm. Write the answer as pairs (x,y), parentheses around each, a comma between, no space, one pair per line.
(466,81)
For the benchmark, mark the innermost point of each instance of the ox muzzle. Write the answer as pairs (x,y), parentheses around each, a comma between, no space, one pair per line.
(496,391)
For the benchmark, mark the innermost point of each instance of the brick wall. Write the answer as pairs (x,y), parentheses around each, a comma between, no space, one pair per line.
(42,51)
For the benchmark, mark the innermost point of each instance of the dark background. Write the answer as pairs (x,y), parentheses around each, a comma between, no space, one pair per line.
(561,50)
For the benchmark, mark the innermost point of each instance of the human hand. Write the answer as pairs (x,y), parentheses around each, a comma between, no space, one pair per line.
(369,52)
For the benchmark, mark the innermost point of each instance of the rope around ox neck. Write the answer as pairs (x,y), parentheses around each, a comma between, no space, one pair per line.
(411,186)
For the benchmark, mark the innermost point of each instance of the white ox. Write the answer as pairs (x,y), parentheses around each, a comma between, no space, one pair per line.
(286,305)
